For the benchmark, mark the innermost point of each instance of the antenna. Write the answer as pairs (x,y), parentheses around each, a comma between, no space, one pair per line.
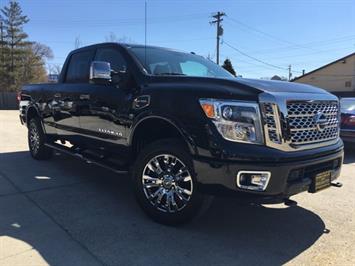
(145,33)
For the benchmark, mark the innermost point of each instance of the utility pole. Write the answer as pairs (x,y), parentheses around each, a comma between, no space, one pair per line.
(1,32)
(1,41)
(289,73)
(218,19)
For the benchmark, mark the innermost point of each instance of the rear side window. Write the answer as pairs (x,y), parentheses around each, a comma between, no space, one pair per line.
(78,69)
(112,56)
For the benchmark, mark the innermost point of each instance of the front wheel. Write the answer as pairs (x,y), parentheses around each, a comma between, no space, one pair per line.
(36,141)
(165,183)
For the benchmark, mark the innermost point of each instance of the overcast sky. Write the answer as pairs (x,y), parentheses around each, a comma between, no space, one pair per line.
(304,33)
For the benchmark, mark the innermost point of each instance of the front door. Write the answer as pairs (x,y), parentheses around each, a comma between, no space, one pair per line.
(104,107)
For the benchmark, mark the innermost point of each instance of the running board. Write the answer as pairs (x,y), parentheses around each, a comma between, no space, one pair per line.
(88,159)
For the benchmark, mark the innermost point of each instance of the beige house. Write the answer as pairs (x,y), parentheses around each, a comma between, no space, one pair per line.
(337,76)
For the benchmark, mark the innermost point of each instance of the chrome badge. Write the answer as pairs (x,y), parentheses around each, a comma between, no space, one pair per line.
(320,121)
(110,132)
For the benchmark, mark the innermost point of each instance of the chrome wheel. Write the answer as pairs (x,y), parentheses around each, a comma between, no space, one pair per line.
(167,183)
(34,138)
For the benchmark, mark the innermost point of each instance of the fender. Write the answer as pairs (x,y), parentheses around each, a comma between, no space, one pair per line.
(188,140)
(34,107)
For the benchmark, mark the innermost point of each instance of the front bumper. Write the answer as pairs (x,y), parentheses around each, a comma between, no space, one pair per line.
(287,178)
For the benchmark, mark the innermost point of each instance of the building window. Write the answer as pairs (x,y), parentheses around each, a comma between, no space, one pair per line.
(348,84)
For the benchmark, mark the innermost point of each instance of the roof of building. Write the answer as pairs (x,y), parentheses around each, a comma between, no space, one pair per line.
(322,67)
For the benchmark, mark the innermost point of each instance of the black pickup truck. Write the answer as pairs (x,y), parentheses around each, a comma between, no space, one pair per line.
(183,127)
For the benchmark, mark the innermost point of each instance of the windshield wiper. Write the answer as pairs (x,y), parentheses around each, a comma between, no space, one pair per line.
(171,73)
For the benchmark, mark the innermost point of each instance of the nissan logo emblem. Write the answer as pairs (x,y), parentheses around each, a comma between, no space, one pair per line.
(321,121)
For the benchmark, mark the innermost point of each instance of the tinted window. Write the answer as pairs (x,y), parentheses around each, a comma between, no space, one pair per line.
(191,68)
(160,61)
(112,56)
(79,65)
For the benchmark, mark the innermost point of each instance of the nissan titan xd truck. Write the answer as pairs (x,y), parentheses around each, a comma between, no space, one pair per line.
(182,127)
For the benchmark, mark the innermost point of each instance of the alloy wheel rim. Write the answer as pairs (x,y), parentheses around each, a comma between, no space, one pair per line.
(34,139)
(167,183)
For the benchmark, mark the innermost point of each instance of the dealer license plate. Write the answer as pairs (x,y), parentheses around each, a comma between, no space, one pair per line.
(321,181)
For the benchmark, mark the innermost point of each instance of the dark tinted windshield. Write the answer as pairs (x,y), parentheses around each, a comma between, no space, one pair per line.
(159,61)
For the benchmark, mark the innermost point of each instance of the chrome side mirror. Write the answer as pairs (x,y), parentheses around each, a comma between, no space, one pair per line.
(100,70)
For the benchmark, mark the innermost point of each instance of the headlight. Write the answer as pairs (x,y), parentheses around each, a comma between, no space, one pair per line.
(235,120)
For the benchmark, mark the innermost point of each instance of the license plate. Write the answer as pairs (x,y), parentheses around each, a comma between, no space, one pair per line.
(321,181)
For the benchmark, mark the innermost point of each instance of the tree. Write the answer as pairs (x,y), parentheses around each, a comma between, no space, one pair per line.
(22,61)
(54,69)
(78,43)
(276,77)
(33,63)
(113,38)
(14,39)
(227,65)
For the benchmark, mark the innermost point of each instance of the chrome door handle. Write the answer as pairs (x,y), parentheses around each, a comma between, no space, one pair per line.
(84,96)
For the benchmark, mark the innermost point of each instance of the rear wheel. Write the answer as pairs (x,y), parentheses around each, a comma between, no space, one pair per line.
(165,183)
(36,141)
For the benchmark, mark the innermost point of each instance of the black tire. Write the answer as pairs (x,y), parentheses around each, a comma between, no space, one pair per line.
(36,141)
(177,210)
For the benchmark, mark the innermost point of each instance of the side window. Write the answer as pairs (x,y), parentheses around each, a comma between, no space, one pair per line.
(112,56)
(78,68)
(191,68)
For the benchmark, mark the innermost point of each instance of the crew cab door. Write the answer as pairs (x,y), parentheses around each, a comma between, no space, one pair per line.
(67,95)
(104,106)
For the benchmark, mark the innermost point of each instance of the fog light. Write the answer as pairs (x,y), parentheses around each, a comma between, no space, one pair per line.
(253,180)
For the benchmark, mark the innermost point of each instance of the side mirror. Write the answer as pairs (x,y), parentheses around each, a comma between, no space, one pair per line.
(100,70)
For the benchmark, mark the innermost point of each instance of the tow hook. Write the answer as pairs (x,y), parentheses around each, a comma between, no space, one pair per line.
(336,184)
(290,202)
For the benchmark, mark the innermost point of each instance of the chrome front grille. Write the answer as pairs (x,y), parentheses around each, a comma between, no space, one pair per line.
(292,125)
(302,122)
(269,111)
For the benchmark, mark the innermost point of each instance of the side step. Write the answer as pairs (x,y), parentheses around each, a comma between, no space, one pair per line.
(87,158)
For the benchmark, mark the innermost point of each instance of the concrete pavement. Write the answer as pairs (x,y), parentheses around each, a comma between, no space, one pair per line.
(66,212)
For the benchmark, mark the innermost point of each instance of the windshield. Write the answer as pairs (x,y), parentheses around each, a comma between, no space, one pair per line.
(347,105)
(159,61)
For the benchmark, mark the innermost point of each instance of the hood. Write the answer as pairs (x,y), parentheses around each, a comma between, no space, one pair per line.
(280,86)
(233,85)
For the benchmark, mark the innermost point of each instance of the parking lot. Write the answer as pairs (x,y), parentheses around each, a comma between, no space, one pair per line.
(66,212)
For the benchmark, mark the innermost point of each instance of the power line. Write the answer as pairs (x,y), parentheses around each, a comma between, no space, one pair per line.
(319,43)
(308,54)
(268,35)
(290,71)
(252,57)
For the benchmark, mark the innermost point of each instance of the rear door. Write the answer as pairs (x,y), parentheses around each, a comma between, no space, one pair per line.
(48,110)
(67,97)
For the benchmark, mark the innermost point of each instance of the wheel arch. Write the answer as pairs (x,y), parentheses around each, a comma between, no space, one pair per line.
(31,112)
(145,130)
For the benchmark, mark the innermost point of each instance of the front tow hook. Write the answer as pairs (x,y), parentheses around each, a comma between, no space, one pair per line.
(336,184)
(290,202)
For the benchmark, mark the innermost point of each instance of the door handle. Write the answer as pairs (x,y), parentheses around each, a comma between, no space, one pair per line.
(84,96)
(57,95)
